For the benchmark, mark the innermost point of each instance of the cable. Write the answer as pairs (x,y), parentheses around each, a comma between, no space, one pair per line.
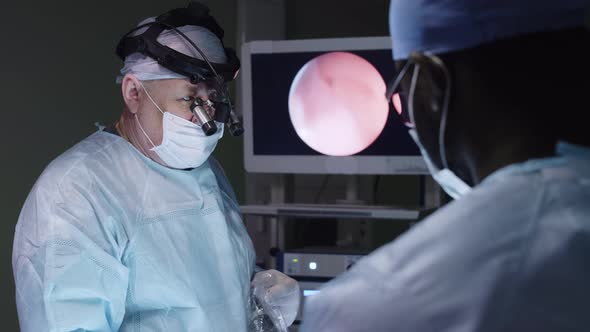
(445,110)
(376,188)
(219,78)
(413,84)
(322,188)
(391,89)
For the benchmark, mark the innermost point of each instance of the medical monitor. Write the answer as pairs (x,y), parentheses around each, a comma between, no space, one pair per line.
(271,144)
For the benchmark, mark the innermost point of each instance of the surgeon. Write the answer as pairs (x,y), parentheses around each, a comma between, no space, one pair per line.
(497,96)
(136,228)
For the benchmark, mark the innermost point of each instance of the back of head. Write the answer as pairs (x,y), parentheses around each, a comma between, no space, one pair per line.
(529,88)
(442,26)
(519,71)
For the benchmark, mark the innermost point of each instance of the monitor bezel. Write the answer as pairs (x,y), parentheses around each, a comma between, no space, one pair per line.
(314,164)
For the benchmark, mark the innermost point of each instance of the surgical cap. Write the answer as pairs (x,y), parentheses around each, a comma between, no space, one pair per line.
(440,26)
(146,68)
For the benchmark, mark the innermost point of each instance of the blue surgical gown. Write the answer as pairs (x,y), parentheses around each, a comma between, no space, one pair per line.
(513,256)
(109,240)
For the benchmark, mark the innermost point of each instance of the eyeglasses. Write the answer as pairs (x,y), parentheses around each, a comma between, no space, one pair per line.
(398,99)
(404,104)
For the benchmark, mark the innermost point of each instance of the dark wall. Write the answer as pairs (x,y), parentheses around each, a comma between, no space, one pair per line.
(334,19)
(57,70)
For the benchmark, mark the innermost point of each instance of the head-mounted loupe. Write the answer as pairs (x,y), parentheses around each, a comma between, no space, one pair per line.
(195,69)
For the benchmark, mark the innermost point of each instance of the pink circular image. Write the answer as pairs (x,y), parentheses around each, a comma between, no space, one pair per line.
(337,104)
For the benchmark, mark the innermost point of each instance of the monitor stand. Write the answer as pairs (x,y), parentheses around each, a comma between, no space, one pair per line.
(352,191)
(353,233)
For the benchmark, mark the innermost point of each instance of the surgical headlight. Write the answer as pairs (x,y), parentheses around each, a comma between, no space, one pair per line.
(197,70)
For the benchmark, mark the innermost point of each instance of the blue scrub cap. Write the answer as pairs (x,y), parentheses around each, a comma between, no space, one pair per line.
(440,26)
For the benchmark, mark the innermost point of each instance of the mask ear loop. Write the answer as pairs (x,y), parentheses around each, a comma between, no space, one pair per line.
(445,110)
(143,131)
(412,91)
(150,97)
(137,118)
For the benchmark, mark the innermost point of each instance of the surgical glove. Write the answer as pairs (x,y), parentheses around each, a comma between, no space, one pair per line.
(279,296)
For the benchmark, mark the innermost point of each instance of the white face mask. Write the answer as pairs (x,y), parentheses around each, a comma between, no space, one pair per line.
(184,144)
(447,179)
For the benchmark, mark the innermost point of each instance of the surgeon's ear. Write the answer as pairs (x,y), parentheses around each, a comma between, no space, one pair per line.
(130,88)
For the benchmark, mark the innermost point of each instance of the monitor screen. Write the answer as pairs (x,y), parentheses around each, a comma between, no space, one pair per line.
(271,142)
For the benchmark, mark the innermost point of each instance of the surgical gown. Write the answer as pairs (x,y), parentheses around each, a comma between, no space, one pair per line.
(109,240)
(512,255)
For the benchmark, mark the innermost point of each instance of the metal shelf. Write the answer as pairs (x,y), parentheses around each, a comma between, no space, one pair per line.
(330,211)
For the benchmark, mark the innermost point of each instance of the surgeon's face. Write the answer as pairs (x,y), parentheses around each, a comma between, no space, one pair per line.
(142,114)
(171,95)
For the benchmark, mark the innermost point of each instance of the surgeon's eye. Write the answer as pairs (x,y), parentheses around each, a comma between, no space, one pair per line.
(188,98)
